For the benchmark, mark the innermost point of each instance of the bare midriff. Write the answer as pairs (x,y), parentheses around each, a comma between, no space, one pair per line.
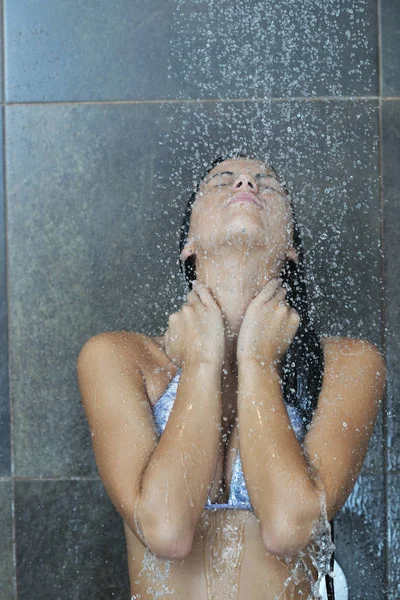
(228,559)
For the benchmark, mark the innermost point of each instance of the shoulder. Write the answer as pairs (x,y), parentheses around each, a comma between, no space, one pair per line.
(135,348)
(349,344)
(353,353)
(129,341)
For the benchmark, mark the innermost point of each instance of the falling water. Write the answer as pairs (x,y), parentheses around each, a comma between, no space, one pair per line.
(263,65)
(157,576)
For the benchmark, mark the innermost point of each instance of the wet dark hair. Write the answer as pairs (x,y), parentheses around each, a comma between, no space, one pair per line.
(303,363)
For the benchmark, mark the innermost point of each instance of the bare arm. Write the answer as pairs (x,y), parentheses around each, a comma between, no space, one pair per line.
(275,468)
(276,472)
(179,473)
(120,420)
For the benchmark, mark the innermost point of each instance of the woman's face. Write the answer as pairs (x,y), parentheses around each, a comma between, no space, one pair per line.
(216,219)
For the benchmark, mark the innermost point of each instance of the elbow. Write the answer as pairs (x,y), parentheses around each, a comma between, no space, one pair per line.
(285,546)
(165,540)
(289,536)
(169,545)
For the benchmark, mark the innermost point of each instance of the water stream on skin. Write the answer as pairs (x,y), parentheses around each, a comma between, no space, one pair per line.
(265,62)
(319,550)
(223,553)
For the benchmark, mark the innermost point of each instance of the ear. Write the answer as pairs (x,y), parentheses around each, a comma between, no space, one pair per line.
(291,254)
(187,251)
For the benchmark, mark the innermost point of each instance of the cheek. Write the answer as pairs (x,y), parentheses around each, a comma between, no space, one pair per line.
(202,216)
(203,210)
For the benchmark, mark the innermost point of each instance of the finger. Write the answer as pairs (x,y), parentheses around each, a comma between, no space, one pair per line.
(292,324)
(204,293)
(295,317)
(269,289)
(193,298)
(279,297)
(283,304)
(273,284)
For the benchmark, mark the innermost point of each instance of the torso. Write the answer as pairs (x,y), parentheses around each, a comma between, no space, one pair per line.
(228,559)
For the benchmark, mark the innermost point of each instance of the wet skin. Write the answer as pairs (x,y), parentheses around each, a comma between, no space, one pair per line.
(228,558)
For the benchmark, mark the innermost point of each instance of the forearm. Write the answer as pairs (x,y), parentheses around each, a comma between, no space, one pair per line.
(180,470)
(276,473)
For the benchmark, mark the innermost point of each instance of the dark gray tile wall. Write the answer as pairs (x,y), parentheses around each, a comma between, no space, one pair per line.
(61,216)
(7,570)
(94,199)
(80,553)
(360,532)
(391,178)
(2,53)
(394,535)
(5,446)
(390,44)
(77,51)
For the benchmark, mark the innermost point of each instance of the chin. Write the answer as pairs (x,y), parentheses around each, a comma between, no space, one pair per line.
(243,233)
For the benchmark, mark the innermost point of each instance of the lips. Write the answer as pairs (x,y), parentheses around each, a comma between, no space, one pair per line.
(244,197)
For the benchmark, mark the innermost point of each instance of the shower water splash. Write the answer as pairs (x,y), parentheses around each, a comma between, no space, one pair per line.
(328,159)
(152,567)
(241,56)
(223,554)
(319,550)
(272,49)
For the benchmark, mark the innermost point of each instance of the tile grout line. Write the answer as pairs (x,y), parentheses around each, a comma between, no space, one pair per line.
(387,591)
(3,110)
(206,100)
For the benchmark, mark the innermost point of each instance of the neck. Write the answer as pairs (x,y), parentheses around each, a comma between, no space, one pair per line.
(234,279)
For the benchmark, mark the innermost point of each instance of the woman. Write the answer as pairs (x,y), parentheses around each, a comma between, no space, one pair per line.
(218,441)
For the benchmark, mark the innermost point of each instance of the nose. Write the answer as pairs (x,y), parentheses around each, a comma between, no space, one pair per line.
(245,183)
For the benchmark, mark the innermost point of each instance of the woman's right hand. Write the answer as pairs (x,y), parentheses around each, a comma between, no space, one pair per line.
(196,332)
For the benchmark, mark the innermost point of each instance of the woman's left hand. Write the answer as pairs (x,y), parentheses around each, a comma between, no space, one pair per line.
(268,326)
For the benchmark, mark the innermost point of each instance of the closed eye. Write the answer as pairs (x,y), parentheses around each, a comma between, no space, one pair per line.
(268,187)
(262,188)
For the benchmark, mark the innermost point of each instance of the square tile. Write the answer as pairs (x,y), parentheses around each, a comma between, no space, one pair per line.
(1,46)
(70,542)
(85,51)
(391,249)
(360,539)
(188,49)
(393,536)
(5,451)
(7,570)
(390,44)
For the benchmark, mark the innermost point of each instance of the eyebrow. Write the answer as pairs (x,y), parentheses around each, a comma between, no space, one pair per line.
(257,176)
